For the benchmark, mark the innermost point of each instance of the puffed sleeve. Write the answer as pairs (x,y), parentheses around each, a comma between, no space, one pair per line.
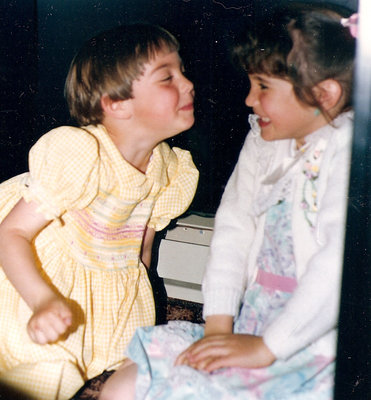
(64,166)
(180,190)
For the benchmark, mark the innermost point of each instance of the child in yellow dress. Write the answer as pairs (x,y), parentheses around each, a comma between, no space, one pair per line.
(77,229)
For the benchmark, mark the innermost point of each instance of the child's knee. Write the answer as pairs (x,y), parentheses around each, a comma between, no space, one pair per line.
(120,385)
(116,392)
(106,393)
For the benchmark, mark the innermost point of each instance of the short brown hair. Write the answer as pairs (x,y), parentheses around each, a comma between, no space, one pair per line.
(304,44)
(108,64)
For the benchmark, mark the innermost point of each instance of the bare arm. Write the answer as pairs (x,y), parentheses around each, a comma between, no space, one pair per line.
(146,253)
(216,324)
(51,316)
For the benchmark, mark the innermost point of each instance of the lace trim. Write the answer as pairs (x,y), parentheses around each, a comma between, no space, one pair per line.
(255,128)
(280,191)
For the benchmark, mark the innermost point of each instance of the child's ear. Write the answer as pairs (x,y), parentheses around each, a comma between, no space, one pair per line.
(328,93)
(120,109)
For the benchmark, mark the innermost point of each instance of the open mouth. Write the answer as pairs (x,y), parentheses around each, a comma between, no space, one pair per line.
(263,121)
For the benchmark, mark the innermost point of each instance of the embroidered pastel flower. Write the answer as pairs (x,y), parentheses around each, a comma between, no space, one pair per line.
(316,154)
(304,205)
(311,170)
(309,199)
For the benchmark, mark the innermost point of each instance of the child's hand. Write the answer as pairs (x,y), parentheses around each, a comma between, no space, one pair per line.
(215,325)
(227,350)
(50,321)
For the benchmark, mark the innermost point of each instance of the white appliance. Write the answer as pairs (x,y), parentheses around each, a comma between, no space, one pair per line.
(182,257)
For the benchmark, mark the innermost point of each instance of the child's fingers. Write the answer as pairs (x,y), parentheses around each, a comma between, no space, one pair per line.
(200,350)
(196,352)
(182,359)
(66,316)
(48,327)
(43,335)
(206,363)
(184,355)
(37,336)
(212,355)
(207,347)
(211,364)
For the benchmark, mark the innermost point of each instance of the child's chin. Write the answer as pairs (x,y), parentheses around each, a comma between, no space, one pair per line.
(267,135)
(191,123)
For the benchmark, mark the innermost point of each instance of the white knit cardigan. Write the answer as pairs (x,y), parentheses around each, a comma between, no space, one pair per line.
(260,178)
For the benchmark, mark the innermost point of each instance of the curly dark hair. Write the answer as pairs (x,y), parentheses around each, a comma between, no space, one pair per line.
(304,44)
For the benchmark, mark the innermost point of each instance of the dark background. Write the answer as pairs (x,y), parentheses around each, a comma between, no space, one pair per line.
(39,38)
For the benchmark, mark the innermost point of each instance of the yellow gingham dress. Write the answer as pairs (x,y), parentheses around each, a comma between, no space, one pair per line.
(100,207)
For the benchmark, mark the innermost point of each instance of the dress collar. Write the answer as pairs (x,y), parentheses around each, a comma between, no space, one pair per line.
(155,172)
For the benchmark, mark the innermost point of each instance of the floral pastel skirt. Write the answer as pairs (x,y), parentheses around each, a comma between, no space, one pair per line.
(306,375)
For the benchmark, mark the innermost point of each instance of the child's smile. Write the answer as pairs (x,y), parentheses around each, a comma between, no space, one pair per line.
(281,114)
(162,102)
(263,122)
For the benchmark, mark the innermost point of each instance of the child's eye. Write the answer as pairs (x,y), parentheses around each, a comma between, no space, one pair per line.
(262,86)
(167,78)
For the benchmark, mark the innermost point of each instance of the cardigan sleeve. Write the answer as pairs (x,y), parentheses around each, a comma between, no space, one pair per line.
(312,311)
(224,281)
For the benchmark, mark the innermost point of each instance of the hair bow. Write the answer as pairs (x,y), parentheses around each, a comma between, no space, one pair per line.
(351,23)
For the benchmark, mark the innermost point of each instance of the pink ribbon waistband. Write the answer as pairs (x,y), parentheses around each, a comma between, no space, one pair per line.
(276,282)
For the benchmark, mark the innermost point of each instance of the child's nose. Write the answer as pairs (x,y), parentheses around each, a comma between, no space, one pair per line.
(186,85)
(251,99)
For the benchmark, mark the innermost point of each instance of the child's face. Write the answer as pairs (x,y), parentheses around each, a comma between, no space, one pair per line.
(162,102)
(282,116)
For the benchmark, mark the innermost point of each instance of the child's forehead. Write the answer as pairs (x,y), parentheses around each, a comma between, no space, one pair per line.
(161,59)
(263,77)
(260,77)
